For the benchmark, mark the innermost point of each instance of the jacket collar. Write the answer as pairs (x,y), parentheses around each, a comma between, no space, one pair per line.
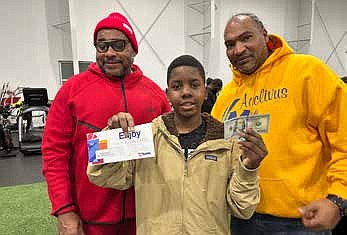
(214,128)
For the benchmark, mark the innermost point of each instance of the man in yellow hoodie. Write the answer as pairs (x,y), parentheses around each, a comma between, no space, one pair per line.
(303,180)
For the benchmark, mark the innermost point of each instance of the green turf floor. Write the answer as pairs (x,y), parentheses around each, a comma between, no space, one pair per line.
(25,209)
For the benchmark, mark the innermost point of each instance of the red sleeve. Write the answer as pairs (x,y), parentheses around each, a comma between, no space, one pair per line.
(56,151)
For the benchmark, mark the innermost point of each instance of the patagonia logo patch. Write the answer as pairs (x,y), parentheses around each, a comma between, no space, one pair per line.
(211,157)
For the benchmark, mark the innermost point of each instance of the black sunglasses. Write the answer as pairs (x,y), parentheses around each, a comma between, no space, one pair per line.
(117,45)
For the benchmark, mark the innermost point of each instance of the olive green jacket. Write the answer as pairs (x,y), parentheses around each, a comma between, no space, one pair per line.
(178,196)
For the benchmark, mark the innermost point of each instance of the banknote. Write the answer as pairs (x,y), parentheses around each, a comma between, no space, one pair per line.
(259,123)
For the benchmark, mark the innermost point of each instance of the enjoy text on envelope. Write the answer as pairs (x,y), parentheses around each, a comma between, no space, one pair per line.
(113,146)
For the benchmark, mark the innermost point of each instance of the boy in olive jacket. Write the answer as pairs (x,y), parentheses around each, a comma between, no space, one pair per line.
(196,176)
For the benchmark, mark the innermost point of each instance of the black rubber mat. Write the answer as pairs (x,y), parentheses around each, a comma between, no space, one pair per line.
(12,153)
(20,169)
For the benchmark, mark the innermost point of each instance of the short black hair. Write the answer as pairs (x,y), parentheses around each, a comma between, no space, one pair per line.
(253,17)
(209,80)
(218,83)
(185,60)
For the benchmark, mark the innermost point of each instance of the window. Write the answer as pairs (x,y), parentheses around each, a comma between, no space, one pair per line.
(66,69)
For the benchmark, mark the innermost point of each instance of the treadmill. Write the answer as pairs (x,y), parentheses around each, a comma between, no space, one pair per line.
(31,120)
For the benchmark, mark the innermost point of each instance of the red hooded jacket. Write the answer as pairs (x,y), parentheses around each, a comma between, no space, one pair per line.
(83,105)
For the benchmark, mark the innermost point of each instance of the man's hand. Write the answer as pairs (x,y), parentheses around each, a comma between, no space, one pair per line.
(122,120)
(320,215)
(70,224)
(252,147)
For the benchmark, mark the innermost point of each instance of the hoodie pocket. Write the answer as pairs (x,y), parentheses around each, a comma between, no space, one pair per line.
(279,198)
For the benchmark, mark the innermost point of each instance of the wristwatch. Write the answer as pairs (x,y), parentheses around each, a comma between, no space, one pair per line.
(340,203)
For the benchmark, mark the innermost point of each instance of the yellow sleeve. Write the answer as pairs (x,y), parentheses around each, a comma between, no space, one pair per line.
(327,111)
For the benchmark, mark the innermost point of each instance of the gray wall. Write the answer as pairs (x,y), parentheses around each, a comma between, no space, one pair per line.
(24,44)
(38,33)
(330,28)
(165,31)
(292,19)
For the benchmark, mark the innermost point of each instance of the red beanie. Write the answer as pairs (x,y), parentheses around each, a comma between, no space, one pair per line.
(117,21)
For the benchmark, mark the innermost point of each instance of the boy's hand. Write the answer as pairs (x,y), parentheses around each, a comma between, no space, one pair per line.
(252,147)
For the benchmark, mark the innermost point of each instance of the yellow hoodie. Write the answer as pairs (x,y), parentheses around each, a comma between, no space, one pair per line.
(307,140)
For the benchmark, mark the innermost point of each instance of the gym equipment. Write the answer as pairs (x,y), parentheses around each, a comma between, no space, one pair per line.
(34,110)
(5,131)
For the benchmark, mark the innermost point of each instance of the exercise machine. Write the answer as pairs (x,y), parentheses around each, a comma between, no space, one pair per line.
(6,143)
(31,120)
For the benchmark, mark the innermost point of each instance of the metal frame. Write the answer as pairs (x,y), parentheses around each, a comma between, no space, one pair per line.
(330,40)
(143,35)
(203,12)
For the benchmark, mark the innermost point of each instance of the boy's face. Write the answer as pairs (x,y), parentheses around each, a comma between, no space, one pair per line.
(186,91)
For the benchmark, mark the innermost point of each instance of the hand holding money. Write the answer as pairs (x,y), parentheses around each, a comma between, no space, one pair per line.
(235,126)
(247,130)
(253,148)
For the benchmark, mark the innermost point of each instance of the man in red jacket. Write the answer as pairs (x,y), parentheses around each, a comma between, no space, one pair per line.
(83,104)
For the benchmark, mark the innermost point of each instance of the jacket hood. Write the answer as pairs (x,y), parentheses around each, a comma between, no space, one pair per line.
(279,47)
(129,80)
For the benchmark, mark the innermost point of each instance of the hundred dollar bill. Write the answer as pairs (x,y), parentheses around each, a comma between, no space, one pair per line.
(259,123)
